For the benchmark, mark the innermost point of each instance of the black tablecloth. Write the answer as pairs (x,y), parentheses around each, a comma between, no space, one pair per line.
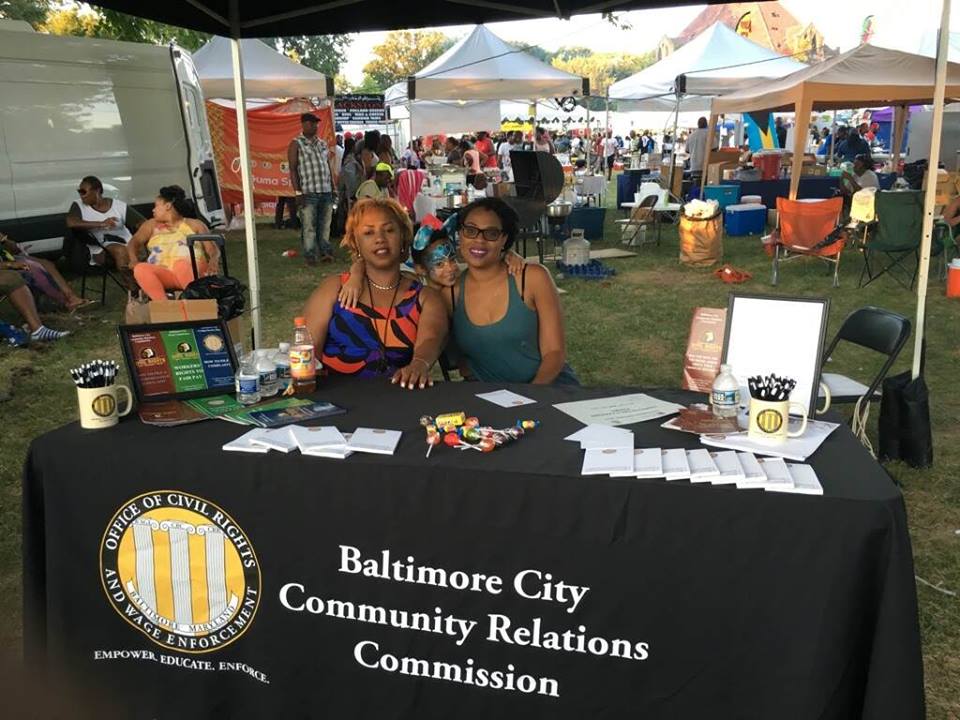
(703,601)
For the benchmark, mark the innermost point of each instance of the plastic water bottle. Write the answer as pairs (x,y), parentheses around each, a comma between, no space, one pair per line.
(248,381)
(725,394)
(282,361)
(303,366)
(267,370)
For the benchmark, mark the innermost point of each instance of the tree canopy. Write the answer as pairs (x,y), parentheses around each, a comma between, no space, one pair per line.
(402,54)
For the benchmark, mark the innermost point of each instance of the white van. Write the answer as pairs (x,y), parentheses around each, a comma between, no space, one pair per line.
(132,114)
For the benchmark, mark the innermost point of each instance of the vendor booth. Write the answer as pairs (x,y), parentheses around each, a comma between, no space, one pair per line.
(863,77)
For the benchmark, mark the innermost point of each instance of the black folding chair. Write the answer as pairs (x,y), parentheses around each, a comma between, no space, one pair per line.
(78,245)
(876,329)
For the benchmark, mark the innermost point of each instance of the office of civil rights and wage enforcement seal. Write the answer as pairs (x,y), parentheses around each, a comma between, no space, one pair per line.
(179,569)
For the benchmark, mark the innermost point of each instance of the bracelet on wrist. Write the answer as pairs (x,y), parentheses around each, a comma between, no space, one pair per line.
(425,363)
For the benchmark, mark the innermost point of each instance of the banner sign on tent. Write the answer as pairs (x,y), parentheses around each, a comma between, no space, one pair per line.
(270,129)
(359,110)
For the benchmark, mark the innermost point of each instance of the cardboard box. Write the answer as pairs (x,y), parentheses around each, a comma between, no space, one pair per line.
(164,311)
(715,171)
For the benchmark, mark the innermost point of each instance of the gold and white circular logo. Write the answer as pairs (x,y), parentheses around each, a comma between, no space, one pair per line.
(180,570)
(104,405)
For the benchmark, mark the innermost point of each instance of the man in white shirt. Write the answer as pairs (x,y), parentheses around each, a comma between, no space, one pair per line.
(697,147)
(610,149)
(503,152)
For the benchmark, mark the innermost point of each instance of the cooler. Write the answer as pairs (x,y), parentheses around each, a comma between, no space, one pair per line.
(768,164)
(744,220)
(752,200)
(724,194)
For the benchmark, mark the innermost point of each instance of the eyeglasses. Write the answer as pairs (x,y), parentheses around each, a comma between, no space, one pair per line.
(490,234)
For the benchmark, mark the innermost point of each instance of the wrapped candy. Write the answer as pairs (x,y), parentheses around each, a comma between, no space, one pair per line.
(466,433)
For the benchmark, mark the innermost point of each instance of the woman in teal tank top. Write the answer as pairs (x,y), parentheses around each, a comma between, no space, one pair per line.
(507,329)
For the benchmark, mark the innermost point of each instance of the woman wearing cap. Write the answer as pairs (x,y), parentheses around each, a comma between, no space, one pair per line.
(379,185)
(398,327)
(508,328)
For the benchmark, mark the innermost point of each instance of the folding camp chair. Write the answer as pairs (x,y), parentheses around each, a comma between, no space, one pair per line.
(641,216)
(802,228)
(896,239)
(78,247)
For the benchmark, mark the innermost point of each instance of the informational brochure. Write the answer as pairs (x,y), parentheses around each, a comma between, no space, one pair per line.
(244,443)
(702,467)
(778,476)
(675,465)
(279,439)
(374,440)
(619,409)
(647,463)
(805,481)
(727,462)
(752,472)
(505,398)
(333,452)
(608,461)
(310,439)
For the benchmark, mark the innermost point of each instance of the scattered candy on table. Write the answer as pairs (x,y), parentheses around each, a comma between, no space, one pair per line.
(465,433)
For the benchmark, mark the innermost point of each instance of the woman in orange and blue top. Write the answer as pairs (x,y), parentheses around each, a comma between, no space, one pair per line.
(164,238)
(398,327)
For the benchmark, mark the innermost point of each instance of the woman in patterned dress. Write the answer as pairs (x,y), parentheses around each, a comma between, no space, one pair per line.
(398,327)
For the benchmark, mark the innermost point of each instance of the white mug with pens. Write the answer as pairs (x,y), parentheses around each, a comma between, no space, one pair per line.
(770,409)
(98,395)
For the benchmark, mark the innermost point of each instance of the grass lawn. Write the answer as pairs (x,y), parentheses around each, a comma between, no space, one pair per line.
(629,330)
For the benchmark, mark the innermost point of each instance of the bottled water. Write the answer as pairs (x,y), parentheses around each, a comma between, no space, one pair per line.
(282,360)
(303,366)
(267,370)
(725,394)
(248,381)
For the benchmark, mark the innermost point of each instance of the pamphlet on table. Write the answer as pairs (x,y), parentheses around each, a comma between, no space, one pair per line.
(619,410)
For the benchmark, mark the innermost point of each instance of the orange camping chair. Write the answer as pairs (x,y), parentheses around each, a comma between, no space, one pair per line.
(801,229)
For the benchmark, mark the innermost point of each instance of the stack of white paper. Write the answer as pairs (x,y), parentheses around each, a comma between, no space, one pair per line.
(602,437)
(675,465)
(374,440)
(778,476)
(334,452)
(799,448)
(314,439)
(805,481)
(731,471)
(608,461)
(647,463)
(702,467)
(245,443)
(279,439)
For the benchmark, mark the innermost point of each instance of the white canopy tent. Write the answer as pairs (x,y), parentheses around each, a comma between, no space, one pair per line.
(436,117)
(268,73)
(232,69)
(481,66)
(716,62)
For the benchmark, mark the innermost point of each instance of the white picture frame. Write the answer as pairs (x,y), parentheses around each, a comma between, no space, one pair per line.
(775,334)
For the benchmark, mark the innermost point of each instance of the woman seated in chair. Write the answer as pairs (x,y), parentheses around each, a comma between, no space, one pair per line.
(508,328)
(164,240)
(110,221)
(398,327)
(41,276)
